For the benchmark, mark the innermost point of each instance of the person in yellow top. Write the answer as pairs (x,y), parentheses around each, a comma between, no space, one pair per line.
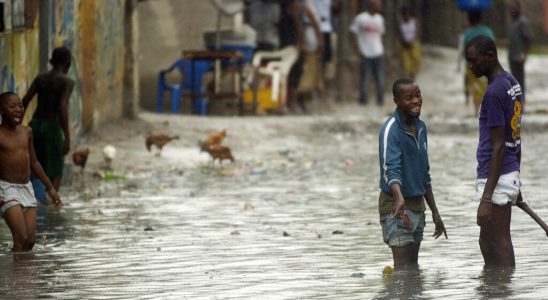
(409,34)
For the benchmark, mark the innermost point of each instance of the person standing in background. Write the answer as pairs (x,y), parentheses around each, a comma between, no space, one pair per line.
(311,80)
(368,28)
(475,86)
(322,9)
(409,34)
(520,39)
(263,16)
(50,123)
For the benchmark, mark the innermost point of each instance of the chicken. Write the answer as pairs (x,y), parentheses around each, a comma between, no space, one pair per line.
(220,152)
(109,153)
(159,140)
(80,158)
(215,138)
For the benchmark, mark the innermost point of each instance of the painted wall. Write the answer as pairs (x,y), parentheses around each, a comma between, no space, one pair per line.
(18,60)
(93,31)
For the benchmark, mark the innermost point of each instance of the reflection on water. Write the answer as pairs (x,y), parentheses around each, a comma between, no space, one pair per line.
(19,275)
(495,283)
(204,234)
(404,283)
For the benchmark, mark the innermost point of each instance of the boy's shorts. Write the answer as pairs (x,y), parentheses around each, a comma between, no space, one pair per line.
(396,233)
(506,191)
(12,194)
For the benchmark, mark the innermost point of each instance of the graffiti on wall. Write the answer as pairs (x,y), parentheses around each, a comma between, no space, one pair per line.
(109,68)
(64,34)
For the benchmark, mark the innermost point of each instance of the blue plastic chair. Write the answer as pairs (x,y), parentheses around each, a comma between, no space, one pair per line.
(184,66)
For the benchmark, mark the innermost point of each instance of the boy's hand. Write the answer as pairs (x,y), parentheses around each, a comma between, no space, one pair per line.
(55,198)
(66,147)
(399,207)
(484,212)
(440,228)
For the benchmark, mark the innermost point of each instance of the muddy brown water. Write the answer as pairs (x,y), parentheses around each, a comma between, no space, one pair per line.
(188,233)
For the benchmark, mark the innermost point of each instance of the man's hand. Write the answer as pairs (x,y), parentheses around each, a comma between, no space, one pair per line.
(55,198)
(440,228)
(484,212)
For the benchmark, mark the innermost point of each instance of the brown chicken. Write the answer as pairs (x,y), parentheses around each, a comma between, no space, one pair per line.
(215,138)
(220,152)
(159,140)
(80,158)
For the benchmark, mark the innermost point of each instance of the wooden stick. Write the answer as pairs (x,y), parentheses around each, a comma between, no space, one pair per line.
(532,214)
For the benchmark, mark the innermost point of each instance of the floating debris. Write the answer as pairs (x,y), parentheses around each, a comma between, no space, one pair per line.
(387,270)
(358,275)
(286,234)
(149,228)
(338,232)
(349,163)
(111,176)
(284,152)
(258,171)
(235,232)
(248,206)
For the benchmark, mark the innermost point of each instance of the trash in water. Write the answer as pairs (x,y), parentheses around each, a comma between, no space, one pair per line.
(387,270)
(149,228)
(248,206)
(286,234)
(338,232)
(258,171)
(284,152)
(357,275)
(349,163)
(110,176)
(235,232)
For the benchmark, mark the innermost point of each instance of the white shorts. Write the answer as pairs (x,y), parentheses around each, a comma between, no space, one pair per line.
(12,194)
(507,189)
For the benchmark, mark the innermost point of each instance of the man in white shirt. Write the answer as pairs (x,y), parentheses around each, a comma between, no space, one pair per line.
(368,28)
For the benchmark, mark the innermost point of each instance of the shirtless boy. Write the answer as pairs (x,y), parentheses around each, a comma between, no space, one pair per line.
(49,122)
(17,159)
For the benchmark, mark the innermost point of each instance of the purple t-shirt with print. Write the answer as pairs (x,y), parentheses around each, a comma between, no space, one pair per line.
(502,105)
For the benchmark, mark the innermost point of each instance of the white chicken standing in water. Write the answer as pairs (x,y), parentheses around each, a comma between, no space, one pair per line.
(109,153)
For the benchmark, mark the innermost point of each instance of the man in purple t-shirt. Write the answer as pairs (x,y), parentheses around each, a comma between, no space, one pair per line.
(498,153)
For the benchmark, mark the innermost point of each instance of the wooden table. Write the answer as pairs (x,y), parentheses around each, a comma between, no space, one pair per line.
(234,57)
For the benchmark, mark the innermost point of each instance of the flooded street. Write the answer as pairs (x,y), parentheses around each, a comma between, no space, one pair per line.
(295,217)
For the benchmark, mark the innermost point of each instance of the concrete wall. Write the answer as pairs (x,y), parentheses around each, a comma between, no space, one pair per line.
(165,29)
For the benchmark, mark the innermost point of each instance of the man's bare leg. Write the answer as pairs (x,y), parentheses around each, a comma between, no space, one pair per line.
(495,238)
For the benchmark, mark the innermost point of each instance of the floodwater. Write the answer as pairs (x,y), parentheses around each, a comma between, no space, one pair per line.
(302,224)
